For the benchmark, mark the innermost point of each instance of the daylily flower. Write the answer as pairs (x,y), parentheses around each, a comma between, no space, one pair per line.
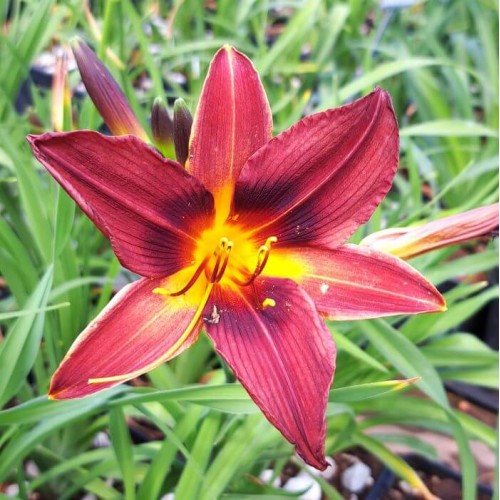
(247,242)
(409,242)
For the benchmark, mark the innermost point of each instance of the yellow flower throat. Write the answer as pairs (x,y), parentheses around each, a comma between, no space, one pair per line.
(227,255)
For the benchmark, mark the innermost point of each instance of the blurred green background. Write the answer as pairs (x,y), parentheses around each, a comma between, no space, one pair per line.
(439,61)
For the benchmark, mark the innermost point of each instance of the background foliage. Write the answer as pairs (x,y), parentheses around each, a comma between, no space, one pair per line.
(439,61)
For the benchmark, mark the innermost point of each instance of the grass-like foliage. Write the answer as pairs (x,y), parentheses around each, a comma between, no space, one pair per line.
(200,435)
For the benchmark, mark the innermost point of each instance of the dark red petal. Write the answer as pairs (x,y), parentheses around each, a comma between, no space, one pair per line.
(105,93)
(355,282)
(137,331)
(318,181)
(148,206)
(283,355)
(232,121)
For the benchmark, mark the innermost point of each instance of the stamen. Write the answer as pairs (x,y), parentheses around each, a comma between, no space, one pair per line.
(262,258)
(224,264)
(220,258)
(211,275)
(190,283)
(222,253)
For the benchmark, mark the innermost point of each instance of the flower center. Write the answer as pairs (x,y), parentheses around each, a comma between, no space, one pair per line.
(229,255)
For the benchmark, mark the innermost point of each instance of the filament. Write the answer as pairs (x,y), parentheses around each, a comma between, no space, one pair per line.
(221,254)
(216,271)
(262,258)
(193,280)
(217,277)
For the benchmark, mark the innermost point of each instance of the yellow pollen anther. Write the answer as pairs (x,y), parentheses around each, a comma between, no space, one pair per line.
(161,291)
(268,302)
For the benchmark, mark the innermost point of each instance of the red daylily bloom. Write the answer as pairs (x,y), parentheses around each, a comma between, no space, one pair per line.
(242,242)
(409,242)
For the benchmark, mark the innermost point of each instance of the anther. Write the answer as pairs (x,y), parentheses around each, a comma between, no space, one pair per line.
(268,302)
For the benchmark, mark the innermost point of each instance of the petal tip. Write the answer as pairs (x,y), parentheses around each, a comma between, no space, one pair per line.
(80,49)
(379,91)
(60,391)
(31,138)
(37,140)
(226,49)
(76,42)
(64,394)
(316,460)
(55,394)
(439,305)
(383,95)
(230,51)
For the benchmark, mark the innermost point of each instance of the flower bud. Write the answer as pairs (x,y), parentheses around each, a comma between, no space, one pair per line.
(183,122)
(162,126)
(408,242)
(60,112)
(105,93)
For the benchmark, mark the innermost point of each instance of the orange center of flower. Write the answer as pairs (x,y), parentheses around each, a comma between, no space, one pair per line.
(227,255)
